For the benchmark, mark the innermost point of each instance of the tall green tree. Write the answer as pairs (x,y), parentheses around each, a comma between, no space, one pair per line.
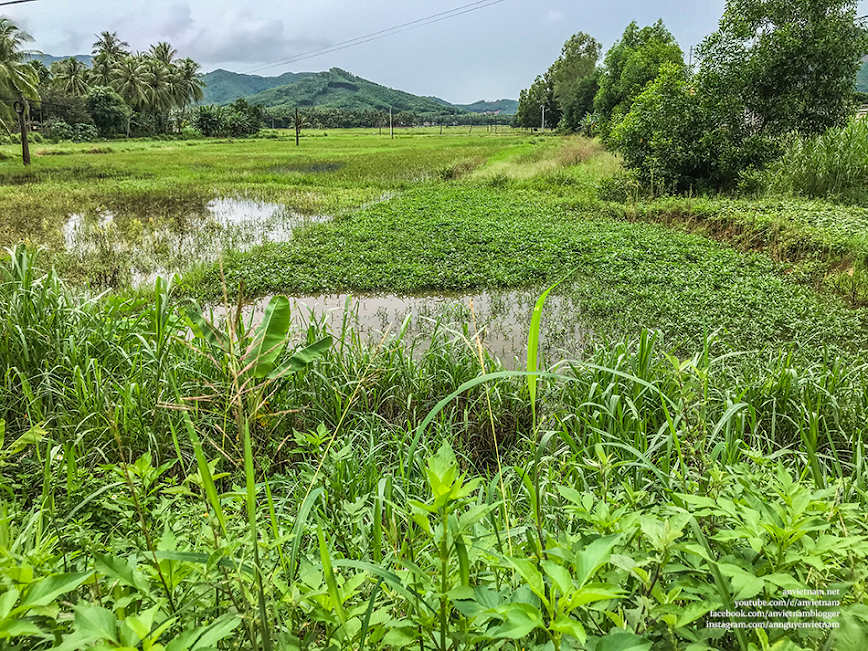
(570,74)
(71,76)
(17,78)
(532,100)
(132,81)
(111,46)
(631,63)
(188,86)
(787,65)
(163,52)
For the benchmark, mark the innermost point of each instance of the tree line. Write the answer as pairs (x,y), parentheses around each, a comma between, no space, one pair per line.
(122,92)
(772,69)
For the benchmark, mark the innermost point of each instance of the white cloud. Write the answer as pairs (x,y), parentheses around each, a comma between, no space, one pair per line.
(554,16)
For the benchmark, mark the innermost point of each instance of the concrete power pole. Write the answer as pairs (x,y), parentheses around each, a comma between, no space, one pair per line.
(21,110)
(543,117)
(297,127)
(391,129)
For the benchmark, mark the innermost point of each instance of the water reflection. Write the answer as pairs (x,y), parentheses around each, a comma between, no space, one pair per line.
(502,317)
(135,249)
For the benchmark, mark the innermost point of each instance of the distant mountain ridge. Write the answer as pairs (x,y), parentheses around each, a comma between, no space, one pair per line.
(47,59)
(337,89)
(333,89)
(224,86)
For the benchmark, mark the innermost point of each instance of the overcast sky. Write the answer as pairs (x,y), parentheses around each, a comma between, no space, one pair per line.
(491,53)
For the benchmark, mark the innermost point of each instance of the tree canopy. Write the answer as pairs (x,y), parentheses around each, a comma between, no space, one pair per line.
(18,79)
(789,65)
(631,63)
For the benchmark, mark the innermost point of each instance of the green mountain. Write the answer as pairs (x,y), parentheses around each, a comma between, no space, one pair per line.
(47,59)
(339,89)
(224,87)
(504,106)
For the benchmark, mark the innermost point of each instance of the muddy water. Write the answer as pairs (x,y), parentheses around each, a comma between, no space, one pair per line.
(136,249)
(502,318)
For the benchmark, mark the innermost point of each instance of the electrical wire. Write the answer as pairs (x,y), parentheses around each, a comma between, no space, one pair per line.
(15,2)
(383,33)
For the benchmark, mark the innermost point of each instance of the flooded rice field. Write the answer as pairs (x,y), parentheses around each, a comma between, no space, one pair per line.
(502,318)
(134,249)
(117,249)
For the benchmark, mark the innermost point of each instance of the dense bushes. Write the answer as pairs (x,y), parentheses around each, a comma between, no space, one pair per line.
(652,490)
(81,132)
(238,119)
(109,111)
(832,163)
(674,140)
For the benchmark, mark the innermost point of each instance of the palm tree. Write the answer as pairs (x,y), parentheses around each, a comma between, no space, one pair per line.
(42,71)
(71,76)
(132,81)
(109,44)
(101,70)
(160,97)
(163,52)
(188,86)
(18,79)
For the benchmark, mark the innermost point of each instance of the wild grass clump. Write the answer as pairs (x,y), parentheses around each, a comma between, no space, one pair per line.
(828,165)
(579,150)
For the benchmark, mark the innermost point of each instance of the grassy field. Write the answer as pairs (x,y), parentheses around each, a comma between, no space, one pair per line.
(172,481)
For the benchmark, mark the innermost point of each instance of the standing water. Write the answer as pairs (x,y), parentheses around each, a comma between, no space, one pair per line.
(137,249)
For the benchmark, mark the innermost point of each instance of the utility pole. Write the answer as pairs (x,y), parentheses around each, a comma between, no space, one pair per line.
(391,129)
(297,127)
(690,59)
(21,110)
(543,117)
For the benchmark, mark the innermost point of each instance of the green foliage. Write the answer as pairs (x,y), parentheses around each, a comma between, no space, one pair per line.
(826,165)
(238,120)
(108,110)
(85,133)
(578,106)
(58,106)
(567,89)
(532,100)
(59,130)
(671,139)
(17,77)
(785,66)
(630,64)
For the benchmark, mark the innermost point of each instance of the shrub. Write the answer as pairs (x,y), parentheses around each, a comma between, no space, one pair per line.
(108,110)
(85,133)
(829,164)
(672,138)
(59,130)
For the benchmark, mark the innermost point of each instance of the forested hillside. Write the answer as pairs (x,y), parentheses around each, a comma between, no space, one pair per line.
(342,90)
(223,86)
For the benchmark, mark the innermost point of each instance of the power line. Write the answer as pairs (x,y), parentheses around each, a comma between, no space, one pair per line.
(383,33)
(15,2)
